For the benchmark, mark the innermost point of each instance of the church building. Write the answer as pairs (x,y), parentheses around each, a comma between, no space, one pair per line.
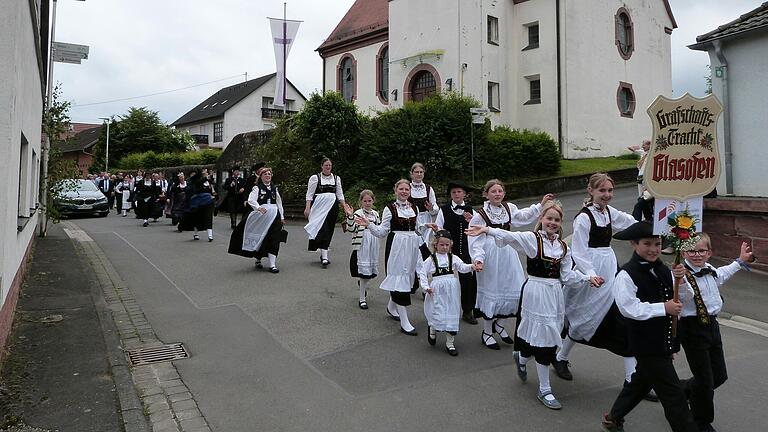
(582,71)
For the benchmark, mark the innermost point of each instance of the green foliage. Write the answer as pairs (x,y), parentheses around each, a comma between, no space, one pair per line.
(435,132)
(152,160)
(55,124)
(628,156)
(139,130)
(514,153)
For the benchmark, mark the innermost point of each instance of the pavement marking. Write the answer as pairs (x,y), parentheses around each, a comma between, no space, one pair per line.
(78,234)
(749,325)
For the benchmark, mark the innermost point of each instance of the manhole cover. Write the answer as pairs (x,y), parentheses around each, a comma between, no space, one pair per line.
(157,354)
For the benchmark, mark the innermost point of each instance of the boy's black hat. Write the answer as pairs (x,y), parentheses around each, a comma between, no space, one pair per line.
(637,231)
(235,168)
(257,165)
(443,234)
(458,184)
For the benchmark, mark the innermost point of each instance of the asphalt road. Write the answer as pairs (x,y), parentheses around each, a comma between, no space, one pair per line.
(293,352)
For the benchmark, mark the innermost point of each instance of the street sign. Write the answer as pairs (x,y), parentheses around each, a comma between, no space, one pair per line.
(478,119)
(71,50)
(479,110)
(61,58)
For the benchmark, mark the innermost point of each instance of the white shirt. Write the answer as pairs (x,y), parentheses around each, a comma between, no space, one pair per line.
(440,220)
(527,243)
(625,294)
(709,288)
(404,210)
(581,226)
(253,200)
(520,217)
(324,180)
(419,190)
(428,268)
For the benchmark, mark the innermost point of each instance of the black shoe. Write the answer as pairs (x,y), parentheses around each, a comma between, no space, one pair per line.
(651,396)
(469,318)
(486,337)
(196,237)
(452,351)
(394,317)
(274,270)
(324,263)
(612,425)
(522,371)
(259,265)
(431,339)
(210,239)
(561,369)
(145,224)
(409,333)
(363,304)
(507,338)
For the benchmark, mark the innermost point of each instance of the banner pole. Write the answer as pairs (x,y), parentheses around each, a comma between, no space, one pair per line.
(285,54)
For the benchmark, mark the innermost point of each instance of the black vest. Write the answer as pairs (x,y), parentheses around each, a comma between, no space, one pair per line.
(543,266)
(506,226)
(598,236)
(442,271)
(321,188)
(456,224)
(266,194)
(652,336)
(400,223)
(421,203)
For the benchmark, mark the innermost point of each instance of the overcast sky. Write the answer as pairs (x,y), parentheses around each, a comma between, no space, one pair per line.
(140,47)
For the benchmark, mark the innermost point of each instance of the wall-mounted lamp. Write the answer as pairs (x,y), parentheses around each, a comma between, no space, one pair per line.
(449,84)
(464,66)
(394,94)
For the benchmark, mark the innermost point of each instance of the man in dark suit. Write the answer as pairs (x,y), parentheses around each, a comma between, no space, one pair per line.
(107,187)
(235,187)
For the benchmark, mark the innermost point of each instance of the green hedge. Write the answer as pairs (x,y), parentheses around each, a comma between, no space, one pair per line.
(152,160)
(514,153)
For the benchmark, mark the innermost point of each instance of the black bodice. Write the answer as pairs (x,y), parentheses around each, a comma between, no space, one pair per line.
(401,223)
(543,266)
(598,236)
(442,271)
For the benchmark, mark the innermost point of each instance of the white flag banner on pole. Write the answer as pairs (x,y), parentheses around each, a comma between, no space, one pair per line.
(283,34)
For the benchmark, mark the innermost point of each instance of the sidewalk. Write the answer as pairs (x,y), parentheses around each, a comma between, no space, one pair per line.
(59,372)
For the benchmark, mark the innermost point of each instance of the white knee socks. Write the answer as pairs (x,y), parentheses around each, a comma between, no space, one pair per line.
(565,350)
(210,233)
(272,260)
(392,308)
(449,340)
(404,323)
(363,288)
(502,322)
(629,368)
(324,254)
(543,372)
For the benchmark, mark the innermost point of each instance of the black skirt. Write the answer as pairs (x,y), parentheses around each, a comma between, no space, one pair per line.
(148,209)
(198,219)
(323,238)
(270,245)
(353,267)
(611,334)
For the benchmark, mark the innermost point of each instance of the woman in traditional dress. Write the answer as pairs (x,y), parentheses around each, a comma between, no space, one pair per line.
(200,205)
(402,255)
(178,197)
(498,287)
(324,194)
(259,234)
(148,192)
(423,196)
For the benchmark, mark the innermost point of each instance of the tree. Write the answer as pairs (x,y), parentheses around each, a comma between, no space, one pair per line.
(55,125)
(140,130)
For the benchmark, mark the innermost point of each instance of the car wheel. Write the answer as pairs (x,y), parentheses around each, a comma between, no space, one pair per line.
(104,214)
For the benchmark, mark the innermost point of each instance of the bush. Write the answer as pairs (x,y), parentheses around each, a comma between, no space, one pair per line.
(509,154)
(152,160)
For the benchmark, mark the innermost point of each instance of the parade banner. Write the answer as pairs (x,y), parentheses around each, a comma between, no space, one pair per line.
(283,34)
(684,160)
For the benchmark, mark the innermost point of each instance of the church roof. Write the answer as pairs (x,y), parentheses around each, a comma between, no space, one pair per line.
(752,20)
(364,20)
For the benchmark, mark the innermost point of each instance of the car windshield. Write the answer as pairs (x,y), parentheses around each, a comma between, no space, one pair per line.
(86,186)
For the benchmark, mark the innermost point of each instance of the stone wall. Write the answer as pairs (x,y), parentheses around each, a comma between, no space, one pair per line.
(733,220)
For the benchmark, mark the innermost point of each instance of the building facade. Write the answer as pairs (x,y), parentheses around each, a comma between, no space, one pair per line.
(243,107)
(581,71)
(23,77)
(78,145)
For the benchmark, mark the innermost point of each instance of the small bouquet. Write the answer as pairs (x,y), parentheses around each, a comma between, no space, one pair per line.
(682,230)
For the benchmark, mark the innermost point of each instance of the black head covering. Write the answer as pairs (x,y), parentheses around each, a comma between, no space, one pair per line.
(637,231)
(458,184)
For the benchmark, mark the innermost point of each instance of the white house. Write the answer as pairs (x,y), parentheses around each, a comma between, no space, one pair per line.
(244,107)
(23,75)
(738,54)
(581,71)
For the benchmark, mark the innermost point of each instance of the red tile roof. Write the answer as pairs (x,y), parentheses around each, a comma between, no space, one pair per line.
(362,19)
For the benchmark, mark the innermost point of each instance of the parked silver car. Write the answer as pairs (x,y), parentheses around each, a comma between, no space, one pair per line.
(81,197)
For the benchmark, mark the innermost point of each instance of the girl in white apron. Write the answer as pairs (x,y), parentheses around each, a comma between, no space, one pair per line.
(364,261)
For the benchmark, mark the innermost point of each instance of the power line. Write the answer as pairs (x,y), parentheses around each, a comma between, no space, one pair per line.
(155,94)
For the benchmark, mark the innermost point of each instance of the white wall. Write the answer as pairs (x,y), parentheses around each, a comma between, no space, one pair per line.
(366,99)
(747,59)
(594,68)
(22,105)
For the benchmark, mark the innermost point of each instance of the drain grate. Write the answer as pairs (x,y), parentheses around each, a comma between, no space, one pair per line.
(157,354)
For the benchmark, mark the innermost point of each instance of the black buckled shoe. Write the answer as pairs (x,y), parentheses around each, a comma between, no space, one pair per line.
(324,263)
(498,329)
(409,332)
(452,351)
(489,337)
(561,369)
(363,304)
(274,270)
(431,338)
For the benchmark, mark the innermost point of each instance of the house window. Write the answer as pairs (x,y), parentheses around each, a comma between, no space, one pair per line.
(533,36)
(382,75)
(534,90)
(423,86)
(267,102)
(625,39)
(21,203)
(493,30)
(346,78)
(625,99)
(493,96)
(218,132)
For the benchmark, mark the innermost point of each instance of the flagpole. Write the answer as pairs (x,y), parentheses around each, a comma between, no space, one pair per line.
(285,54)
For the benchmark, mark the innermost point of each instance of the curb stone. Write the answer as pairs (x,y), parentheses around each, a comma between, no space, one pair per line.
(152,397)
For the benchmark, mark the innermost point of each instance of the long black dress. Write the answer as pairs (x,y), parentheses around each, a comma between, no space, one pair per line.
(200,218)
(271,243)
(178,202)
(147,206)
